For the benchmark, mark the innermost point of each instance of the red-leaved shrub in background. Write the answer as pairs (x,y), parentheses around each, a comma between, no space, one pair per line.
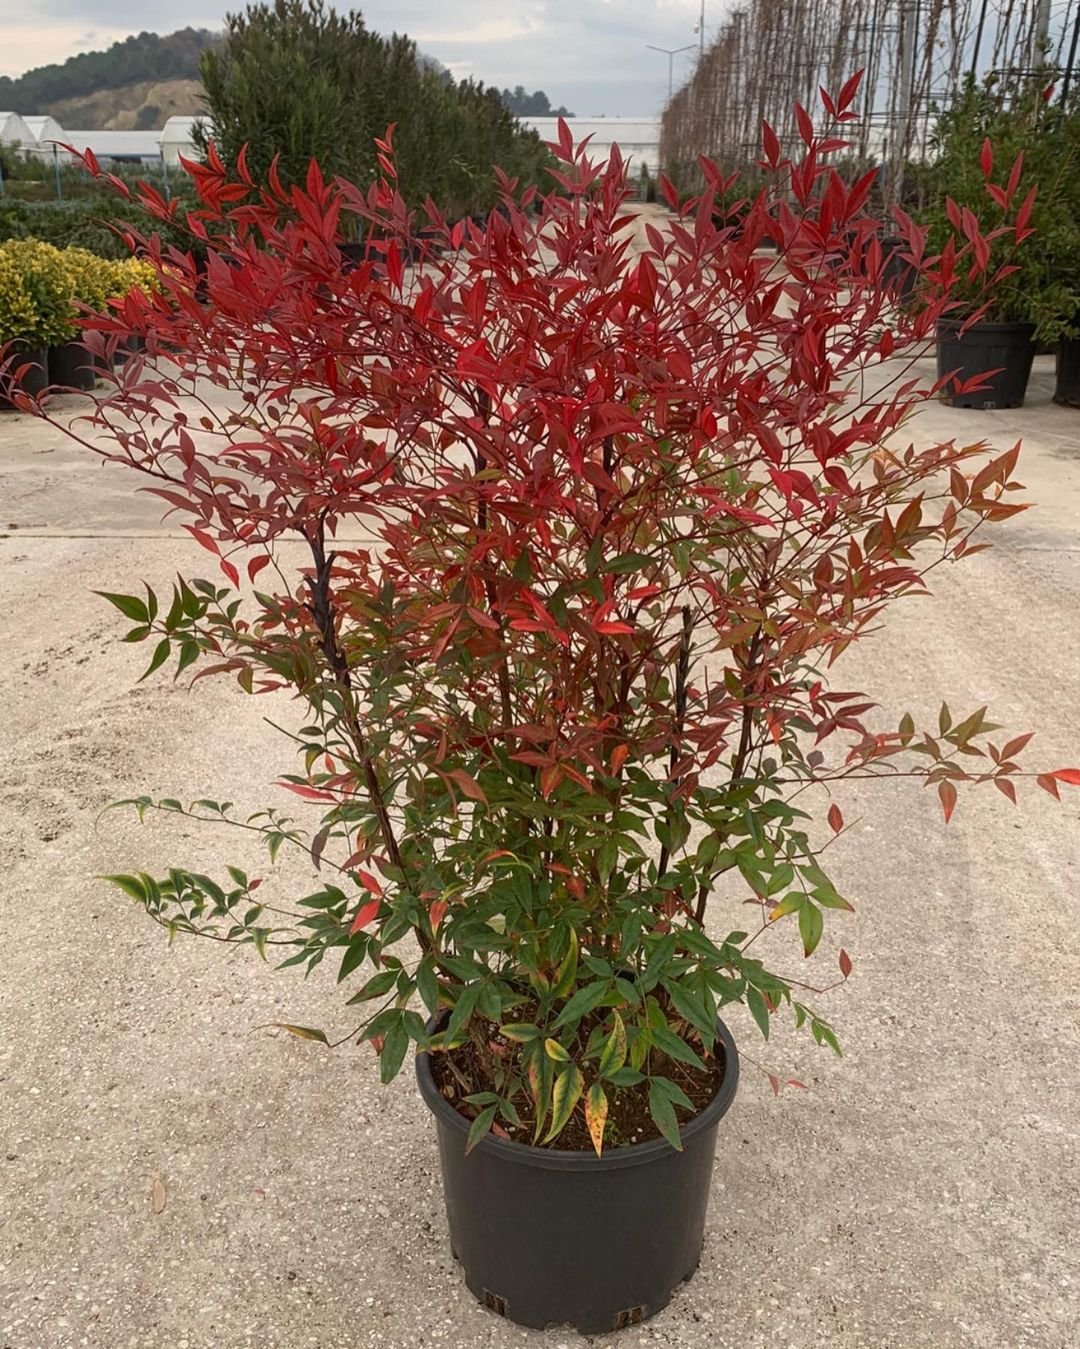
(628,492)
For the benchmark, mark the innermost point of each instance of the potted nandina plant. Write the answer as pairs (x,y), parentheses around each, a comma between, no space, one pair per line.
(1024,289)
(570,705)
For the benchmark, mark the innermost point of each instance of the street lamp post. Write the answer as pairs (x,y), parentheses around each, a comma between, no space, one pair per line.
(671,53)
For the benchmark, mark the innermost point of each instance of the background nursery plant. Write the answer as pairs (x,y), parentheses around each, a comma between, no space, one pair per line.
(570,721)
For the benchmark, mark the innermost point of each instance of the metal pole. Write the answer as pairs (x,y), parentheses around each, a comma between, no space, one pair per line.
(701,30)
(165,176)
(1072,59)
(978,38)
(670,53)
(56,171)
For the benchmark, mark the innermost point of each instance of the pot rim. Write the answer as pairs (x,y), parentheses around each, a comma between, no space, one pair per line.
(561,1159)
(984,326)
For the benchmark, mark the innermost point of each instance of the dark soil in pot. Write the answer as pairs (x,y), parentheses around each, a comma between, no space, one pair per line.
(34,380)
(1067,385)
(1001,352)
(550,1236)
(71,366)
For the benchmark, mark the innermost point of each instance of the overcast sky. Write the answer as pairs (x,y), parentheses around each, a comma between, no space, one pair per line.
(590,55)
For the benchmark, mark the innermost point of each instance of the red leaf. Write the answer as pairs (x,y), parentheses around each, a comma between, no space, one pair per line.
(619,755)
(986,158)
(836,820)
(231,572)
(1006,788)
(364,915)
(947,792)
(437,912)
(1069,775)
(467,785)
(848,92)
(370,883)
(308,793)
(201,537)
(771,144)
(845,963)
(256,565)
(806,126)
(1047,782)
(1016,745)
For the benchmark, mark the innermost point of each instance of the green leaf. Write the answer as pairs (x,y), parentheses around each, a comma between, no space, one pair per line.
(567,971)
(663,1113)
(395,1044)
(811,926)
(302,1032)
(613,1055)
(160,656)
(376,987)
(626,1077)
(176,610)
(129,605)
(674,1093)
(480,1128)
(675,1047)
(131,886)
(759,1010)
(627,563)
(690,1009)
(463,1010)
(555,1051)
(189,653)
(583,1001)
(427,985)
(520,1031)
(564,1096)
(791,903)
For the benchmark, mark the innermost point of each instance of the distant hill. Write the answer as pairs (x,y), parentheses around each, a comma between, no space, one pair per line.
(141,81)
(135,83)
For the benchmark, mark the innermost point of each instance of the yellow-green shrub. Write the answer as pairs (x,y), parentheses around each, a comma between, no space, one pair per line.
(36,294)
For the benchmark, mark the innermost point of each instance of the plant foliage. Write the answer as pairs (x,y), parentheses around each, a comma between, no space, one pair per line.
(571,740)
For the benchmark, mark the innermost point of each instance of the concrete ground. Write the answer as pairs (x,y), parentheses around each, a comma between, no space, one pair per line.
(173,1177)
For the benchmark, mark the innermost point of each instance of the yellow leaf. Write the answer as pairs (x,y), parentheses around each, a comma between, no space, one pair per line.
(596,1108)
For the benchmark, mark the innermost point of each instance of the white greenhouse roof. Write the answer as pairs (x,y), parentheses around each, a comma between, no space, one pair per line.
(14,129)
(117,144)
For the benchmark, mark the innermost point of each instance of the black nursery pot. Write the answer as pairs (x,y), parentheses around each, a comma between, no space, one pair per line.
(34,381)
(131,346)
(551,1237)
(1067,384)
(1007,348)
(72,366)
(897,275)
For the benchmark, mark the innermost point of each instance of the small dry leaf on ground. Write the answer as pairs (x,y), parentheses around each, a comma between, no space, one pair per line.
(157,1195)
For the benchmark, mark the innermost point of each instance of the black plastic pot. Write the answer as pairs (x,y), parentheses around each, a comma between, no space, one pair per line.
(132,346)
(897,275)
(71,366)
(34,380)
(1067,384)
(1006,349)
(553,1237)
